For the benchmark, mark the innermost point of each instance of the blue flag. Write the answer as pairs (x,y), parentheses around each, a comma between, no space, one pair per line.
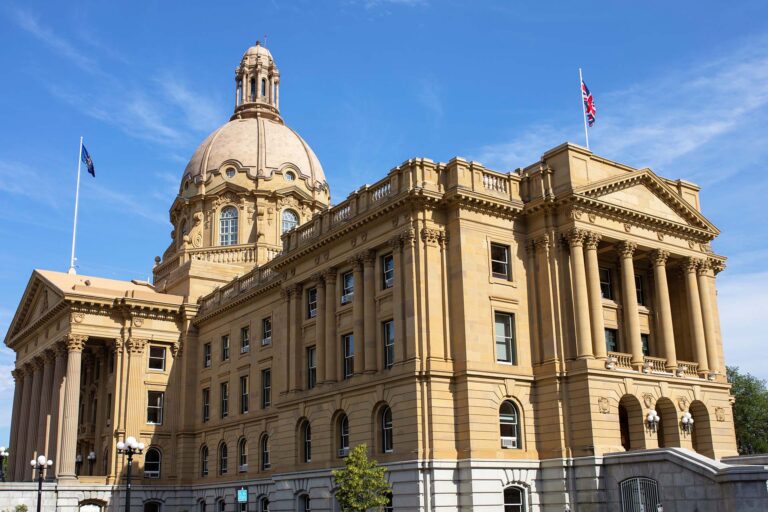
(88,162)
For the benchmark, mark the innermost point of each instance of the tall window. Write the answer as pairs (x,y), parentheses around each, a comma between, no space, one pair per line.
(505,341)
(152,463)
(224,395)
(500,261)
(156,358)
(304,503)
(228,226)
(264,448)
(242,455)
(266,331)
(611,340)
(263,87)
(514,499)
(155,407)
(206,404)
(223,459)
(306,441)
(253,89)
(312,303)
(244,392)
(290,220)
(239,91)
(263,504)
(311,367)
(389,343)
(225,347)
(245,339)
(152,506)
(221,505)
(349,355)
(388,506)
(201,506)
(386,430)
(509,425)
(207,355)
(387,271)
(266,388)
(645,342)
(639,291)
(343,436)
(204,461)
(606,287)
(347,287)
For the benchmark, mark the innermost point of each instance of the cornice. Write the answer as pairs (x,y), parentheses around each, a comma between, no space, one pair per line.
(240,299)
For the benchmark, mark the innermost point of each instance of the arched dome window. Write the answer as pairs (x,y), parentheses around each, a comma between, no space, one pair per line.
(265,464)
(228,226)
(253,89)
(290,220)
(204,461)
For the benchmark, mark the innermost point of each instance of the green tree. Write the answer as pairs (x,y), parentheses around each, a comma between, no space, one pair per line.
(750,411)
(361,485)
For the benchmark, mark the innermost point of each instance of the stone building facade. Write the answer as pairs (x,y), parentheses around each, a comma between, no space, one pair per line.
(498,340)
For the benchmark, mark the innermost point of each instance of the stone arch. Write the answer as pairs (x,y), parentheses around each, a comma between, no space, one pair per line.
(631,423)
(702,429)
(668,431)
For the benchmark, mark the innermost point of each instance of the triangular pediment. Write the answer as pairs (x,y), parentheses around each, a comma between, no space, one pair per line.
(40,297)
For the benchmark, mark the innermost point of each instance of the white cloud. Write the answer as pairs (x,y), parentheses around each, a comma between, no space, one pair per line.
(19,179)
(741,299)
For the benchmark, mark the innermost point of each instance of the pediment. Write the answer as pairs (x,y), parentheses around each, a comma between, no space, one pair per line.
(39,298)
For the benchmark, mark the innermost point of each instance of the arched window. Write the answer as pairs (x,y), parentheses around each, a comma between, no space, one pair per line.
(388,506)
(264,445)
(153,506)
(304,503)
(290,220)
(387,442)
(240,91)
(201,506)
(152,463)
(253,89)
(221,505)
(306,441)
(228,226)
(242,455)
(263,87)
(204,461)
(343,435)
(263,504)
(223,459)
(509,423)
(514,499)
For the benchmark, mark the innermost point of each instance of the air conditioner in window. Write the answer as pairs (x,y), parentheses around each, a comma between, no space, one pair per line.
(509,442)
(347,298)
(267,340)
(245,349)
(243,468)
(389,282)
(343,452)
(151,474)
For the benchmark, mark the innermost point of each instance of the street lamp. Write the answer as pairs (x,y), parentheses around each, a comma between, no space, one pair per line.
(91,460)
(687,422)
(78,464)
(39,465)
(130,448)
(3,457)
(652,420)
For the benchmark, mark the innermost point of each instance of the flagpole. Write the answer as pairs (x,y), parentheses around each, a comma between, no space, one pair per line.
(77,200)
(583,109)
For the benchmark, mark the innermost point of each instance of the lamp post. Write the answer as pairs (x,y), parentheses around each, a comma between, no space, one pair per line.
(652,420)
(687,422)
(91,460)
(130,448)
(3,457)
(78,464)
(40,465)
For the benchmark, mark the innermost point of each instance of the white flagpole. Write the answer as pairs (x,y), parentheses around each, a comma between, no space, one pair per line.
(77,200)
(583,108)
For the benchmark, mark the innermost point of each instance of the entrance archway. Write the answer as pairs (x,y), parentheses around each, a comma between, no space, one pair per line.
(668,432)
(631,423)
(702,429)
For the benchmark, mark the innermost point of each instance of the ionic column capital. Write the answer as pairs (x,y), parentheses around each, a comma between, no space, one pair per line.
(626,248)
(575,237)
(592,240)
(659,257)
(75,342)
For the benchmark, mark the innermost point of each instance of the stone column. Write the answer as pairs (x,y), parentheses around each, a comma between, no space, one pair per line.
(22,461)
(580,296)
(136,393)
(332,344)
(629,302)
(409,295)
(708,316)
(320,343)
(666,330)
(694,314)
(68,451)
(57,401)
(30,449)
(397,298)
(358,316)
(595,296)
(45,416)
(369,309)
(297,316)
(18,390)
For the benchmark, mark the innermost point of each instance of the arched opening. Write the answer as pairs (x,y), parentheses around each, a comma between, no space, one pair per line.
(202,506)
(204,461)
(242,455)
(702,429)
(305,504)
(305,441)
(514,499)
(386,433)
(152,459)
(342,430)
(153,506)
(639,493)
(668,431)
(228,226)
(290,220)
(223,458)
(221,505)
(631,423)
(263,87)
(509,424)
(264,449)
(253,89)
(263,504)
(240,91)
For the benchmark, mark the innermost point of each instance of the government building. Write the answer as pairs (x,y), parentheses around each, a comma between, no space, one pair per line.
(540,340)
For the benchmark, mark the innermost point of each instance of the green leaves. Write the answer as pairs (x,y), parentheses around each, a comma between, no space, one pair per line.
(750,411)
(362,483)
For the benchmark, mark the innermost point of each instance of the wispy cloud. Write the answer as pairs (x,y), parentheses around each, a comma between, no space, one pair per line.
(125,203)
(20,179)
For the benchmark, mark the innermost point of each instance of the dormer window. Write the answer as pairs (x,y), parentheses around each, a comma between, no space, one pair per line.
(289,176)
(290,220)
(228,226)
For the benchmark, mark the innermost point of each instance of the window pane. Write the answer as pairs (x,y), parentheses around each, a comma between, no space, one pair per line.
(388,271)
(611,340)
(389,344)
(290,220)
(605,283)
(156,358)
(504,338)
(500,261)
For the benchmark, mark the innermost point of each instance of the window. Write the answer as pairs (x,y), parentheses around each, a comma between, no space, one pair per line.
(389,343)
(201,506)
(206,404)
(266,331)
(639,290)
(343,436)
(509,424)
(224,395)
(387,271)
(204,461)
(155,407)
(221,505)
(306,441)
(230,172)
(157,358)
(349,355)
(500,261)
(152,463)
(311,367)
(388,506)
(207,355)
(225,347)
(606,287)
(263,87)
(152,506)
(242,455)
(290,220)
(264,445)
(289,176)
(109,409)
(228,226)
(611,340)
(253,89)
(240,92)
(266,388)
(223,459)
(312,303)
(304,503)
(244,391)
(245,339)
(514,499)
(386,430)
(263,504)
(347,287)
(505,341)
(645,340)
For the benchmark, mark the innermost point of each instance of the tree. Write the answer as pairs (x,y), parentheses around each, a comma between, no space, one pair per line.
(750,411)
(361,484)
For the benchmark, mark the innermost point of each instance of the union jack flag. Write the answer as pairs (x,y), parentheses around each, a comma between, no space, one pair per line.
(589,103)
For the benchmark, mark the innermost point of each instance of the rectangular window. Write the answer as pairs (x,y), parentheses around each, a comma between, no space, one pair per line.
(639,290)
(109,408)
(225,347)
(266,388)
(645,340)
(606,287)
(312,303)
(157,358)
(266,331)
(207,355)
(349,355)
(347,287)
(389,343)
(111,361)
(500,261)
(155,407)
(611,340)
(245,339)
(387,271)
(311,367)
(224,399)
(206,404)
(244,391)
(505,338)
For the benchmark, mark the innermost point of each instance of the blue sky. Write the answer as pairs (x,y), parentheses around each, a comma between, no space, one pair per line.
(681,87)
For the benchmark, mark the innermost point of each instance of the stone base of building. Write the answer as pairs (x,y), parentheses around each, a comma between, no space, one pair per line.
(685,481)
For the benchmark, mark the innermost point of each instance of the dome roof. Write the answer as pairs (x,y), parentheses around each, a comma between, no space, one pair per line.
(260,144)
(257,49)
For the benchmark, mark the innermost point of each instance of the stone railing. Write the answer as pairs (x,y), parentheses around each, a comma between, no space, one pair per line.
(224,254)
(688,368)
(621,360)
(253,279)
(163,269)
(655,364)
